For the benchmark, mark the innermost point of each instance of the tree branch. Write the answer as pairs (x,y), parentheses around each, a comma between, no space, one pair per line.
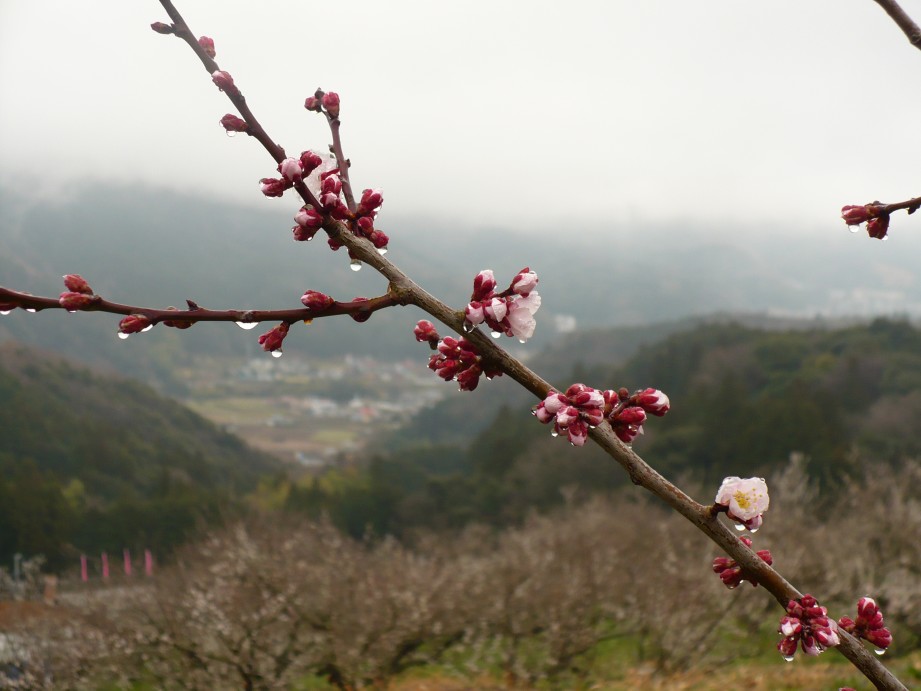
(911,30)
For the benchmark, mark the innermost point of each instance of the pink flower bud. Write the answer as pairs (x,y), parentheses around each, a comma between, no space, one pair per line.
(331,103)
(133,323)
(176,324)
(577,433)
(316,301)
(878,227)
(855,215)
(362,315)
(331,185)
(77,284)
(496,309)
(310,162)
(273,187)
(308,217)
(425,331)
(379,239)
(653,402)
(881,638)
(224,81)
(207,45)
(474,313)
(312,103)
(524,282)
(484,283)
(291,170)
(469,378)
(272,339)
(232,123)
(371,200)
(72,301)
(162,28)
(302,234)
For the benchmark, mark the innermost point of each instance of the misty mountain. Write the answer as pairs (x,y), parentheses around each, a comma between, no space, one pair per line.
(157,247)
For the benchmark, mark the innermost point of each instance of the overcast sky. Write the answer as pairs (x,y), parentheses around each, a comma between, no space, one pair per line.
(518,113)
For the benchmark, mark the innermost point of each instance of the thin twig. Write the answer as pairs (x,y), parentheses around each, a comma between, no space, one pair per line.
(905,23)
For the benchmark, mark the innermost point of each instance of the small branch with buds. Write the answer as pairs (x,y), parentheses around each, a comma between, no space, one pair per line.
(876,215)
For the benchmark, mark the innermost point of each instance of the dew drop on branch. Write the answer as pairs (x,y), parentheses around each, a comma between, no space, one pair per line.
(246,326)
(231,134)
(382,251)
(495,334)
(788,658)
(739,527)
(355,265)
(854,229)
(30,310)
(276,353)
(122,335)
(5,312)
(147,328)
(880,651)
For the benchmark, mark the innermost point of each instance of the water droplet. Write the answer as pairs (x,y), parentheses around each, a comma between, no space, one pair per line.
(355,265)
(382,251)
(886,238)
(310,238)
(753,530)
(246,326)
(521,341)
(495,334)
(5,312)
(854,229)
(31,310)
(276,353)
(880,651)
(554,433)
(739,527)
(467,327)
(147,328)
(788,658)
(122,335)
(231,133)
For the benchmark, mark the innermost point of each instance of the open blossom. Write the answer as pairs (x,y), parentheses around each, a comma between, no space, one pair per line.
(272,339)
(521,322)
(573,412)
(730,572)
(806,624)
(745,500)
(869,624)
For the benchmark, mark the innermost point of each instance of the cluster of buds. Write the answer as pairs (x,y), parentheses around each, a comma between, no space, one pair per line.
(873,215)
(510,312)
(806,624)
(744,501)
(628,412)
(371,201)
(582,408)
(78,295)
(293,170)
(456,359)
(730,572)
(321,101)
(573,413)
(869,625)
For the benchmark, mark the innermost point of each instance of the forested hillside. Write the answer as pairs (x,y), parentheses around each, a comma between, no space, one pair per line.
(97,461)
(743,400)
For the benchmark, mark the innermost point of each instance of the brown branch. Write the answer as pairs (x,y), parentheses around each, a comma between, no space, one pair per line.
(904,22)
(911,205)
(199,314)
(343,162)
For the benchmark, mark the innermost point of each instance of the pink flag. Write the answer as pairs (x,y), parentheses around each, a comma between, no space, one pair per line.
(84,576)
(148,562)
(105,565)
(126,555)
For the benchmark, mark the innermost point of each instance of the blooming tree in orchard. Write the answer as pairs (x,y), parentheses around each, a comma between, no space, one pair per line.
(612,418)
